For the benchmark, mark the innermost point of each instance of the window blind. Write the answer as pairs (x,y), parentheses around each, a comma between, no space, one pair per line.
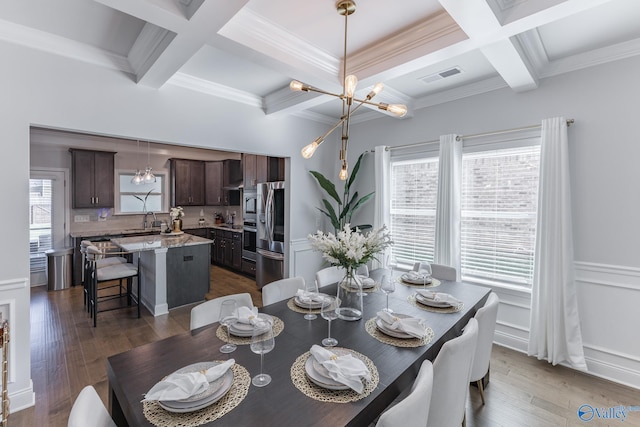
(414,186)
(499,205)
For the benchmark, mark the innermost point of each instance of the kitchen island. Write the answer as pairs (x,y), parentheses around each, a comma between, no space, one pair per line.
(174,269)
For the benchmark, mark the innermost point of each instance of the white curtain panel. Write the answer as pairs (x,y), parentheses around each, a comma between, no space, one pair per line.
(555,333)
(382,198)
(447,250)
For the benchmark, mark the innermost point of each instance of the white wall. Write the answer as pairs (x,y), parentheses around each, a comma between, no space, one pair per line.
(605,152)
(39,89)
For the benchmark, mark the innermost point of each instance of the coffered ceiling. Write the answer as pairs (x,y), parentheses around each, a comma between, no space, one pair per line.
(426,52)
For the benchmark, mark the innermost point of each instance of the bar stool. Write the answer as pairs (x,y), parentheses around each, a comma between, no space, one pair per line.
(105,260)
(119,272)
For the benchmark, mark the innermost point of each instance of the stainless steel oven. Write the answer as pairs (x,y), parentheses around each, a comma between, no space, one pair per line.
(249,240)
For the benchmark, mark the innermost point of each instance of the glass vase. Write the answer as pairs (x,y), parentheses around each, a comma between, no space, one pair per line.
(350,296)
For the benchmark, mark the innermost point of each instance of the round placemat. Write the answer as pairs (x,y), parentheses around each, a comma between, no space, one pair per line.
(309,389)
(221,333)
(236,394)
(413,302)
(433,284)
(373,330)
(292,306)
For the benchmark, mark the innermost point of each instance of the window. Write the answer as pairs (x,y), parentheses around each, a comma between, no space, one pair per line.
(141,198)
(414,188)
(499,207)
(40,196)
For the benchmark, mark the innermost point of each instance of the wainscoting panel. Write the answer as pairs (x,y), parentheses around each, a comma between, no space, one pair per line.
(303,260)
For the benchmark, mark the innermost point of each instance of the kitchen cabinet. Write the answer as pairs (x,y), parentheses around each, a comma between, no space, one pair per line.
(227,249)
(92,178)
(187,182)
(213,180)
(249,267)
(261,169)
(187,274)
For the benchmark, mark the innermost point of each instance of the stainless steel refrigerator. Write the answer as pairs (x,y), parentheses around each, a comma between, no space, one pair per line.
(270,232)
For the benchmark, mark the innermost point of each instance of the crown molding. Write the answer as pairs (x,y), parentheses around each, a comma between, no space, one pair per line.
(149,45)
(210,88)
(62,46)
(316,117)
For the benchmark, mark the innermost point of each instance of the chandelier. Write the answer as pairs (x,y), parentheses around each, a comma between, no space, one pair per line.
(346,8)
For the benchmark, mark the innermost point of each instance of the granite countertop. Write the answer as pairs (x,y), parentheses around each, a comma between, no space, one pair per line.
(151,231)
(159,241)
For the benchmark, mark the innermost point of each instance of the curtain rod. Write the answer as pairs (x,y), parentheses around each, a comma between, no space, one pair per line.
(476,135)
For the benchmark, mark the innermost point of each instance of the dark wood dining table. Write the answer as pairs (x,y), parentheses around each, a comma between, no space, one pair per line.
(131,374)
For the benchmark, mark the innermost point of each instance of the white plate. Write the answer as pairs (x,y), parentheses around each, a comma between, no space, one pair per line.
(216,391)
(311,305)
(382,326)
(413,280)
(431,303)
(319,379)
(245,329)
(370,283)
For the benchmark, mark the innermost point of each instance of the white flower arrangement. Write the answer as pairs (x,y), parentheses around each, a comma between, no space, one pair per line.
(350,249)
(176,213)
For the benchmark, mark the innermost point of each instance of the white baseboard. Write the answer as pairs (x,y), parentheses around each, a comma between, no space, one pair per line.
(22,399)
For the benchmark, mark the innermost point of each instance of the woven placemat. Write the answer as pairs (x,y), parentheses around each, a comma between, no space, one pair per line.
(221,333)
(373,330)
(309,389)
(293,307)
(412,300)
(433,284)
(236,394)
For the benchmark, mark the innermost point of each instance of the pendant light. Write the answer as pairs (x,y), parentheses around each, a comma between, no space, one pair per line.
(148,176)
(137,178)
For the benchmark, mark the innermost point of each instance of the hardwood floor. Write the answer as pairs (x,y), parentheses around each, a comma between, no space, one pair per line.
(67,353)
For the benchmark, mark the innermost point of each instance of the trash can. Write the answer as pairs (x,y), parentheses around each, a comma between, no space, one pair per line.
(59,271)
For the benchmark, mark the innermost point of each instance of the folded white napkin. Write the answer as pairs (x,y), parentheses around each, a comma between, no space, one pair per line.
(346,369)
(309,297)
(365,281)
(183,386)
(247,315)
(415,277)
(439,297)
(409,325)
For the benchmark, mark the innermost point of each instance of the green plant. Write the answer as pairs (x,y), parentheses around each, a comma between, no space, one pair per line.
(144,202)
(347,205)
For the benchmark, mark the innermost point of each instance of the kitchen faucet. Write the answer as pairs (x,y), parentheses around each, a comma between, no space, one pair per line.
(155,220)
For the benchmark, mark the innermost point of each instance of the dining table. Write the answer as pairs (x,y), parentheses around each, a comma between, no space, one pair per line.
(133,373)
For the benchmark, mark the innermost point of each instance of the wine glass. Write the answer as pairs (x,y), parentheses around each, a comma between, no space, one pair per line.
(329,312)
(311,289)
(262,342)
(424,270)
(228,317)
(387,285)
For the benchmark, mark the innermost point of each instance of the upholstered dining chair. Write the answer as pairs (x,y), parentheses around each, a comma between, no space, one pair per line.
(451,373)
(440,271)
(88,410)
(486,317)
(281,289)
(329,275)
(208,312)
(413,410)
(116,272)
(105,259)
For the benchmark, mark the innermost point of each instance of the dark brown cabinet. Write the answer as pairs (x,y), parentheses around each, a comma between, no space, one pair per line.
(221,177)
(227,249)
(213,179)
(261,169)
(187,182)
(92,179)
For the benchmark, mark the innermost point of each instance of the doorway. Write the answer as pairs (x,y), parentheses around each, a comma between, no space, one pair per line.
(47,219)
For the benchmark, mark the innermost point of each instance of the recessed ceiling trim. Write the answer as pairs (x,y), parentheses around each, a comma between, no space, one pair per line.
(286,100)
(315,117)
(471,89)
(57,45)
(205,86)
(149,45)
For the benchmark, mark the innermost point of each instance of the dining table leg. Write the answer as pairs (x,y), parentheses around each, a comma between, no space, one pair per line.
(116,410)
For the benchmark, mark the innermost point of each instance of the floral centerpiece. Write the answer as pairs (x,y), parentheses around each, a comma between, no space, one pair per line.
(176,215)
(350,249)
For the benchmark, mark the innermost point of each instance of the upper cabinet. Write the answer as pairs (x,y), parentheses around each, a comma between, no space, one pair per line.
(261,169)
(214,195)
(187,182)
(92,178)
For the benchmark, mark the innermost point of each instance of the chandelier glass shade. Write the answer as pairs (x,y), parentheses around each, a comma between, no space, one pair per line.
(346,8)
(148,176)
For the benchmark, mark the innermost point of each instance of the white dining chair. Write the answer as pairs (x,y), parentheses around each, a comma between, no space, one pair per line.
(100,261)
(88,410)
(209,311)
(281,289)
(486,317)
(440,271)
(329,275)
(413,410)
(451,373)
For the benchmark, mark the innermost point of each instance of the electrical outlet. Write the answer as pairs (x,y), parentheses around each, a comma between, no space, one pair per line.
(81,218)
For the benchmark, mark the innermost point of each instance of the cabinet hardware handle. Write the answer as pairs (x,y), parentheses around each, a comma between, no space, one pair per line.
(97,200)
